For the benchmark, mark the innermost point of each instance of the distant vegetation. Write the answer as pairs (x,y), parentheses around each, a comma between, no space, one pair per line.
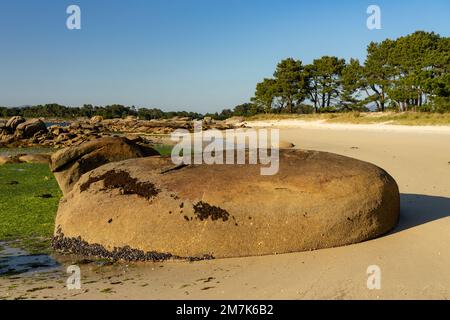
(108,112)
(411,73)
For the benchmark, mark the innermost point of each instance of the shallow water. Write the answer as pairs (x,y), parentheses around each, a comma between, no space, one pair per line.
(15,261)
(61,124)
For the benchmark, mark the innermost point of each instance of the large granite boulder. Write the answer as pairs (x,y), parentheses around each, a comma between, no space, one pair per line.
(71,163)
(149,209)
(29,128)
(13,122)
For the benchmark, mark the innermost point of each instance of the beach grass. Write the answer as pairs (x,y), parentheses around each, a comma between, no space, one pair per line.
(395,118)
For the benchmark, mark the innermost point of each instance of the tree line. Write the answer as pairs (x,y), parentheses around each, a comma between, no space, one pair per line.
(411,73)
(57,111)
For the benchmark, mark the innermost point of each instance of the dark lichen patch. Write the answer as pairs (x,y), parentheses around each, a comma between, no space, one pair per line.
(122,180)
(80,247)
(204,211)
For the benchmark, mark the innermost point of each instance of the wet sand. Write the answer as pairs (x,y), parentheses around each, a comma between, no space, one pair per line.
(414,258)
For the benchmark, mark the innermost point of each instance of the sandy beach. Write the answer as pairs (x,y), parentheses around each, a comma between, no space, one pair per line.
(414,258)
(324,125)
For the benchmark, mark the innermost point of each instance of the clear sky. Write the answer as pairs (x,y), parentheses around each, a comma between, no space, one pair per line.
(199,55)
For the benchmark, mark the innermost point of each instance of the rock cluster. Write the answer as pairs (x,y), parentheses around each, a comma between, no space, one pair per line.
(18,131)
(162,126)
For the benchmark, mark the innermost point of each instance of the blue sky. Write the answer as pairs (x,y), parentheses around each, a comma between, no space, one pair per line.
(199,55)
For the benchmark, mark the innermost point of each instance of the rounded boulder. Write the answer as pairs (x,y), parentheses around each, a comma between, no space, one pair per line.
(149,209)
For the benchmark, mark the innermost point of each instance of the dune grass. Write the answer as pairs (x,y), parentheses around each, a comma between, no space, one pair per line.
(400,118)
(29,196)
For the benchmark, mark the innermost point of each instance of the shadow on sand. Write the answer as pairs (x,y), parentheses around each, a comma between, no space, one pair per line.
(417,209)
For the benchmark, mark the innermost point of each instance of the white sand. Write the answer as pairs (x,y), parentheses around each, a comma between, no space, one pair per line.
(414,259)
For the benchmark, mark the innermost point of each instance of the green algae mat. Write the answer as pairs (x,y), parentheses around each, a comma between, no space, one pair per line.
(29,196)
